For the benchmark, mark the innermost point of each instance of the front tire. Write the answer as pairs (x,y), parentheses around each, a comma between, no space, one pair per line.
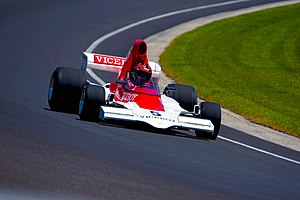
(65,89)
(212,112)
(185,95)
(92,97)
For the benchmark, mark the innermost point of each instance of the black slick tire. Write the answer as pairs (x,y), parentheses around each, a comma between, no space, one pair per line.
(185,95)
(92,97)
(65,89)
(212,112)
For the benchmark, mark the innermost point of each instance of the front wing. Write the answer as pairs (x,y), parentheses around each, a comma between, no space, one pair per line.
(157,119)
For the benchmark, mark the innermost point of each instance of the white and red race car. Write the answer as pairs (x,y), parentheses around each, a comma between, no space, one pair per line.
(176,108)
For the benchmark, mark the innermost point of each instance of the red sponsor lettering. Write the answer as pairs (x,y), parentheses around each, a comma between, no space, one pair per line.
(108,60)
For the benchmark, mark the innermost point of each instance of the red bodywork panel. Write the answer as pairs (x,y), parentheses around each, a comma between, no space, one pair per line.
(146,96)
(134,57)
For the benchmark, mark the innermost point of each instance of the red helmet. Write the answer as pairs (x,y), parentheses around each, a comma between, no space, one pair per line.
(142,73)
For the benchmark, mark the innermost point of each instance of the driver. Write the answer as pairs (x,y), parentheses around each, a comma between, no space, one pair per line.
(141,73)
(136,55)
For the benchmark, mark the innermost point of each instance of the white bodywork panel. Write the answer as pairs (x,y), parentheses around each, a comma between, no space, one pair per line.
(170,118)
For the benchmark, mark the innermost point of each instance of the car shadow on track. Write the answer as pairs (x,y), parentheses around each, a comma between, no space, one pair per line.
(141,126)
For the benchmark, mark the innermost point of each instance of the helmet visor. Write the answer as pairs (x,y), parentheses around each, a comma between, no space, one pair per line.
(143,76)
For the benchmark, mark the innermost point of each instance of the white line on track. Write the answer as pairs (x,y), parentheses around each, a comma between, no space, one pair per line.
(259,150)
(108,35)
(94,76)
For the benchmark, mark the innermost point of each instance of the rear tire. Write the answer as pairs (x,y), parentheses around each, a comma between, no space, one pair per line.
(185,95)
(65,89)
(212,112)
(92,97)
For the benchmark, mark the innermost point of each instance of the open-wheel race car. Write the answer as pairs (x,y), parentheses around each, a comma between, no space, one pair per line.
(176,108)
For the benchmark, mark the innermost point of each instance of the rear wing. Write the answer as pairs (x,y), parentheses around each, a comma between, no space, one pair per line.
(111,64)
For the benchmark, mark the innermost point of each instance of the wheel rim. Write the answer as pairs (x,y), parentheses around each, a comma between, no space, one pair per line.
(81,102)
(50,91)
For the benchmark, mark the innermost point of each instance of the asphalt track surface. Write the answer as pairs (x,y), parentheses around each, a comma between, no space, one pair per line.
(53,155)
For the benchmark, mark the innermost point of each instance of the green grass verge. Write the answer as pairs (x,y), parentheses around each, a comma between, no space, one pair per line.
(249,64)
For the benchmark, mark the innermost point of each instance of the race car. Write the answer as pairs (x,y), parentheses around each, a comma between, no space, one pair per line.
(175,107)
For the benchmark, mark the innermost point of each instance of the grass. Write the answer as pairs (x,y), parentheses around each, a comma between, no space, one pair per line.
(249,64)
